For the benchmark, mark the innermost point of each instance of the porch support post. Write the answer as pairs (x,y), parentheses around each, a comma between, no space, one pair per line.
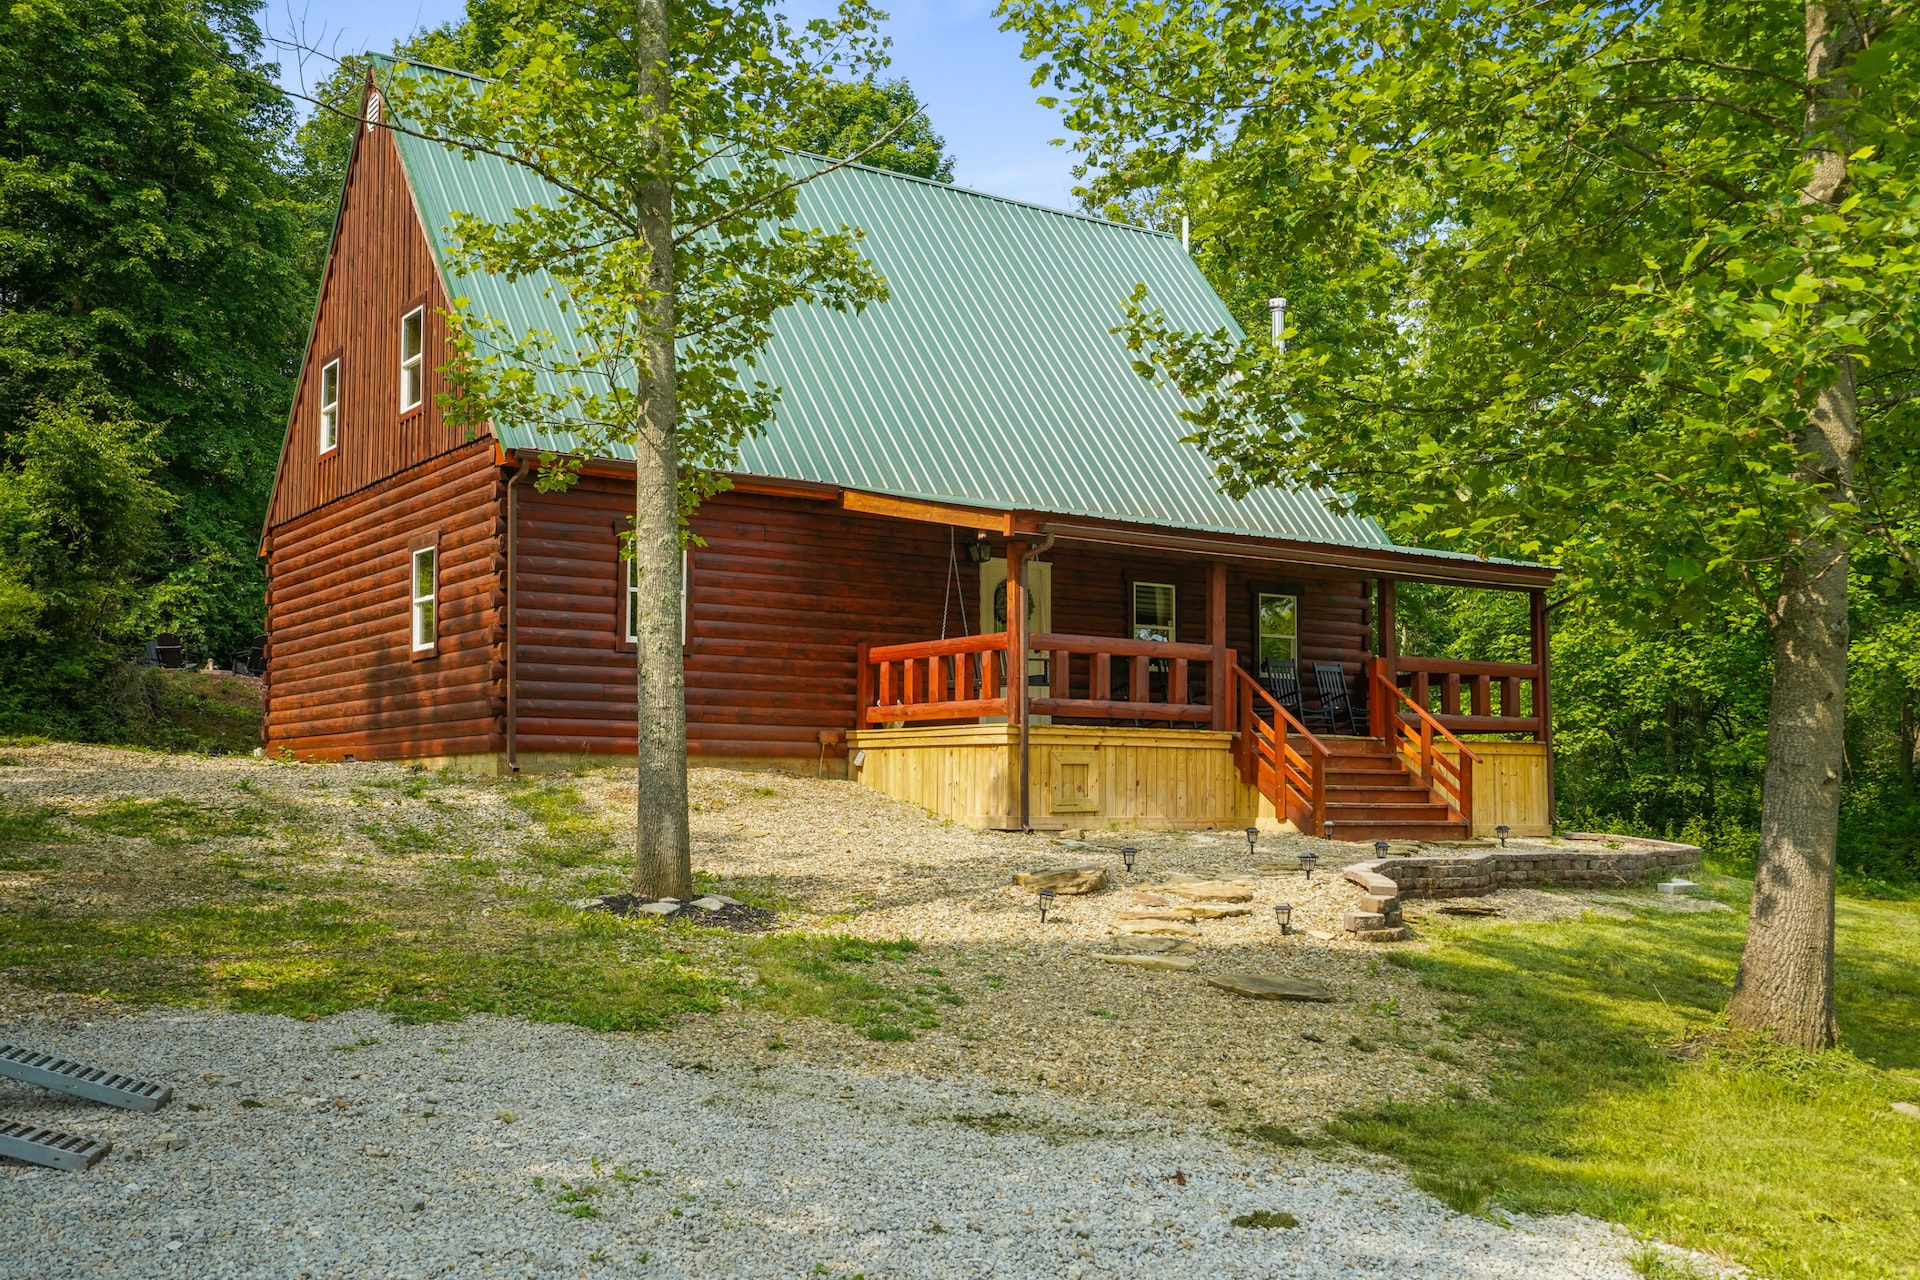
(1017,669)
(1380,711)
(1217,641)
(1542,688)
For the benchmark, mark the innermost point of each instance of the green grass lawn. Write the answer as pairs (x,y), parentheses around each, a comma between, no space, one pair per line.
(234,905)
(1620,1094)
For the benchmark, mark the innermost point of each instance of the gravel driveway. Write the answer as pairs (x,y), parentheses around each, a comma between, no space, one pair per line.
(354,1146)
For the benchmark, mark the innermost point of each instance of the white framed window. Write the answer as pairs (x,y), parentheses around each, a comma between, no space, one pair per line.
(425,580)
(633,600)
(631,628)
(412,358)
(1153,611)
(1279,623)
(329,406)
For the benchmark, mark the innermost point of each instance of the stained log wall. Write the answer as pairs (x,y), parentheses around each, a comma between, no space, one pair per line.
(380,269)
(782,590)
(342,676)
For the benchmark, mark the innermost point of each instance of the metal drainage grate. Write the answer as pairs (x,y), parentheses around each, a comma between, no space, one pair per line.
(50,1147)
(82,1081)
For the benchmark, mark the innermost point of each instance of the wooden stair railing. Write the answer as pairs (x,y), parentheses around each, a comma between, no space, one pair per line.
(1449,778)
(1265,750)
(958,679)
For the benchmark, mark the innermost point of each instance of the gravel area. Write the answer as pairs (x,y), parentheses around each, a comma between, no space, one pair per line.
(356,1147)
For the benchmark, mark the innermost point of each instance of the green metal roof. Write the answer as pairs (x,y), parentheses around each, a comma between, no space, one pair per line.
(991,377)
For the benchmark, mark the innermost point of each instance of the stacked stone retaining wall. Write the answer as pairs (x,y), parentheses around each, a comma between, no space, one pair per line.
(1578,859)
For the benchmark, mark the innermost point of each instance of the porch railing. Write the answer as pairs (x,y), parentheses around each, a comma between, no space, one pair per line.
(959,679)
(1449,778)
(1280,756)
(1492,701)
(1081,678)
(1159,677)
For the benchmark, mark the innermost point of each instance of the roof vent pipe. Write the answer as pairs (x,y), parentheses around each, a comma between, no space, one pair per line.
(1186,240)
(1277,307)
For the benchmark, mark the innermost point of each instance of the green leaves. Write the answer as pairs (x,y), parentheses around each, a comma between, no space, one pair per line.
(1533,257)
(565,105)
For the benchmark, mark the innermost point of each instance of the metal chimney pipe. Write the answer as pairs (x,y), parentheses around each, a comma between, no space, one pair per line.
(1186,242)
(1277,307)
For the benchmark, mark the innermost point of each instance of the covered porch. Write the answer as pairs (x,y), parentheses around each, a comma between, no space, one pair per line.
(1312,719)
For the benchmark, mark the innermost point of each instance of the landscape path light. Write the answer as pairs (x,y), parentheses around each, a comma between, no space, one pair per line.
(1253,834)
(1501,831)
(1127,855)
(1046,904)
(1326,829)
(1307,860)
(1380,848)
(1284,914)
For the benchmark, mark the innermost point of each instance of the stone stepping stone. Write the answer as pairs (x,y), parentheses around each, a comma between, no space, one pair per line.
(1182,964)
(1157,913)
(1170,928)
(1271,986)
(1152,945)
(1218,913)
(1063,880)
(1210,891)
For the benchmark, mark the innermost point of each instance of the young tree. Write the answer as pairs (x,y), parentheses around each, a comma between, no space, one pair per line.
(1629,287)
(667,237)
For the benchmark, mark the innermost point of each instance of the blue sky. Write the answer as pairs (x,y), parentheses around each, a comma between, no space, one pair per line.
(967,71)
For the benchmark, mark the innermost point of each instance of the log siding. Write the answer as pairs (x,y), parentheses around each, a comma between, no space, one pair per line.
(342,674)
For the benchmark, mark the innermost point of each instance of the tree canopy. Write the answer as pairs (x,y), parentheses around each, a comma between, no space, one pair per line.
(154,308)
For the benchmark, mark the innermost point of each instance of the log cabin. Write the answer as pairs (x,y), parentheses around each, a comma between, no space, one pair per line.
(971,563)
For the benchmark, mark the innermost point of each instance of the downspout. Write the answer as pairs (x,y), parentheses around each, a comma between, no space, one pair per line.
(1026,760)
(513,612)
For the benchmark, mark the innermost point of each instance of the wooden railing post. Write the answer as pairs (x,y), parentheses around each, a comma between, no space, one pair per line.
(862,684)
(1465,778)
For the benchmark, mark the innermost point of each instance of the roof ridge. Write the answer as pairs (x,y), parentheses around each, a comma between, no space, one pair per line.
(836,161)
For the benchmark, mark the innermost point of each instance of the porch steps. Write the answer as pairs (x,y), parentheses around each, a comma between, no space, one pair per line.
(1371,795)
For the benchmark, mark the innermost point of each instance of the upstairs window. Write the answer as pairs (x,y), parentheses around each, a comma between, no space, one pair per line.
(412,364)
(426,584)
(329,406)
(1153,611)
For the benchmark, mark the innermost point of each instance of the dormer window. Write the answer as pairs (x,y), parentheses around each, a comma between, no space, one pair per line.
(412,361)
(329,406)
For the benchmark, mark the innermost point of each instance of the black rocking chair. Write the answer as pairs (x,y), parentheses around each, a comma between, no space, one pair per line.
(1334,702)
(1282,680)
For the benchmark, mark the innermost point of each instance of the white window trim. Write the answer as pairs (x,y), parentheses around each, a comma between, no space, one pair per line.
(431,599)
(632,598)
(330,409)
(1173,614)
(415,364)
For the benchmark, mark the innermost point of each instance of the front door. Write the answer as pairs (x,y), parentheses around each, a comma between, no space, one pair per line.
(993,614)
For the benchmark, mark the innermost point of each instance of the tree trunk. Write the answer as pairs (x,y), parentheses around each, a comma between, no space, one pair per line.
(1785,981)
(663,865)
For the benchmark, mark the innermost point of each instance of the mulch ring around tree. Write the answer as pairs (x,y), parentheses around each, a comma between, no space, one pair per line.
(712,910)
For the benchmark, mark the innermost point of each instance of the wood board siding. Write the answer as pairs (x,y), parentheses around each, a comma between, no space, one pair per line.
(380,268)
(1081,776)
(342,675)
